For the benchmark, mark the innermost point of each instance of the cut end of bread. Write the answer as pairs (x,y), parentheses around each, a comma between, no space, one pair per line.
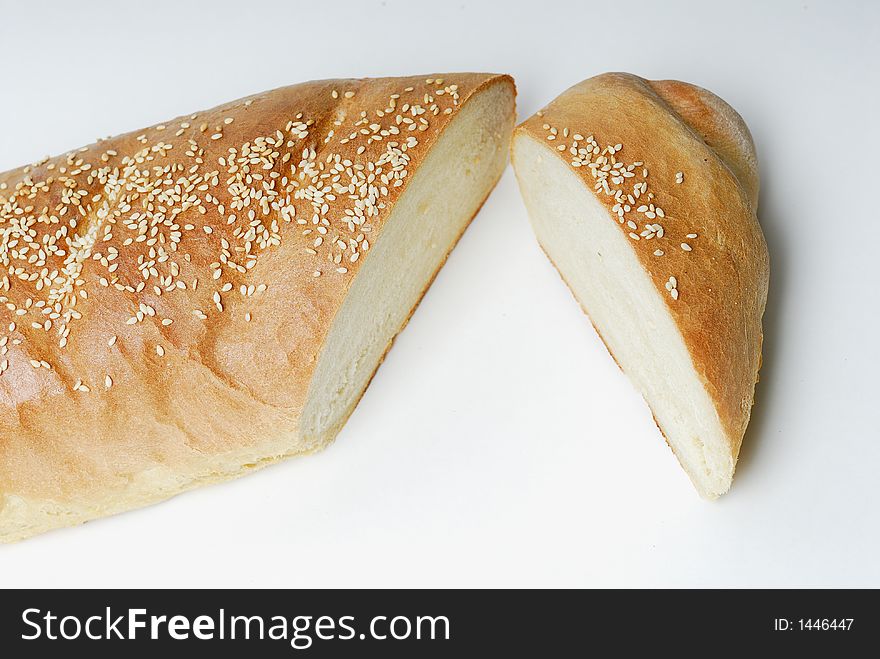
(426,222)
(609,280)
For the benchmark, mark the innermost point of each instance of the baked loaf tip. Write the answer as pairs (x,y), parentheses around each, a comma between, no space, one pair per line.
(643,195)
(188,302)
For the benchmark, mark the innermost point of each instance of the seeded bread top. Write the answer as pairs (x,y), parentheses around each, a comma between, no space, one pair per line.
(676,167)
(196,264)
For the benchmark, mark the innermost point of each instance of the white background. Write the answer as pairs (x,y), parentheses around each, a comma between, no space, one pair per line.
(499,445)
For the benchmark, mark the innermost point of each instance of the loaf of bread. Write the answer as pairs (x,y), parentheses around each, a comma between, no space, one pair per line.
(189,302)
(643,194)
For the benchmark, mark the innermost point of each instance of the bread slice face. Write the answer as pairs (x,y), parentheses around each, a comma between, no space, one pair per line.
(225,284)
(443,196)
(643,196)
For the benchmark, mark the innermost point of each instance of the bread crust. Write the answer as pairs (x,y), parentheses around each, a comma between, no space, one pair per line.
(671,127)
(149,362)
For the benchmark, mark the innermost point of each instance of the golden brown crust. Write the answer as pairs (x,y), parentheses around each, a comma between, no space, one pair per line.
(692,220)
(198,364)
(718,125)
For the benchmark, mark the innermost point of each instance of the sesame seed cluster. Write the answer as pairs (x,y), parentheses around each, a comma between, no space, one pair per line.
(628,186)
(171,216)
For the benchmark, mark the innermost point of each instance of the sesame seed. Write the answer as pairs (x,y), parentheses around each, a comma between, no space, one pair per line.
(160,351)
(686,247)
(108,381)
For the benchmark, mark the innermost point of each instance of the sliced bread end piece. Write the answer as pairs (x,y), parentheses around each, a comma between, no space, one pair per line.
(673,275)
